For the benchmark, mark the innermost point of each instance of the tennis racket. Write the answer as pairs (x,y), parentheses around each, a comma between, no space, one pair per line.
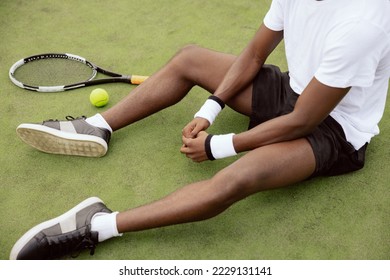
(55,72)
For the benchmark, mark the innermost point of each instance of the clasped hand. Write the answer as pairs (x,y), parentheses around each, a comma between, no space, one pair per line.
(193,138)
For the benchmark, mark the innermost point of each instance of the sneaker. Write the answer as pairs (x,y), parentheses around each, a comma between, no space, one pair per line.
(71,137)
(64,235)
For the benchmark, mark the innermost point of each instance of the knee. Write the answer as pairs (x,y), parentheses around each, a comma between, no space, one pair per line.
(186,56)
(229,188)
(188,50)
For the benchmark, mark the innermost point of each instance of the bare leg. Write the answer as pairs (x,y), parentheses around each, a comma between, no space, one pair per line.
(265,168)
(189,67)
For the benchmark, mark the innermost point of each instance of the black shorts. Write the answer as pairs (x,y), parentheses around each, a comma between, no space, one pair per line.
(272,96)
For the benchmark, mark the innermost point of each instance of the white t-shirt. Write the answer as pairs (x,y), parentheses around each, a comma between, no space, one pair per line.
(342,43)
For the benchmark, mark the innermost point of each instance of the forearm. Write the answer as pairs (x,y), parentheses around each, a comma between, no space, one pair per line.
(280,129)
(311,108)
(248,63)
(239,76)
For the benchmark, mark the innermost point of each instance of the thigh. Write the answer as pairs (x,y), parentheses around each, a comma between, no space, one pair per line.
(272,166)
(207,68)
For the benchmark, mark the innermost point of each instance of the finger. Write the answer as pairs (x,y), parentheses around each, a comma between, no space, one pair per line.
(187,130)
(185,140)
(194,132)
(182,150)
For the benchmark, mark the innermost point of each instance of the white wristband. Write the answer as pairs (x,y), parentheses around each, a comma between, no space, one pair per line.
(209,111)
(221,146)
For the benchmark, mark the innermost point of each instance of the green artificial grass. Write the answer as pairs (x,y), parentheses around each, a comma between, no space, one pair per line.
(344,217)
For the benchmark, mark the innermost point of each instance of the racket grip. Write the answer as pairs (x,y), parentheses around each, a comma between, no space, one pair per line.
(136,79)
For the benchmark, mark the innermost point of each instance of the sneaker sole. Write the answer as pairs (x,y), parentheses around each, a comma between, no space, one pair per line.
(53,141)
(19,245)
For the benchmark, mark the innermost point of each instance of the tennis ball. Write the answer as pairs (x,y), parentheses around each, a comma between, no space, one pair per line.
(99,97)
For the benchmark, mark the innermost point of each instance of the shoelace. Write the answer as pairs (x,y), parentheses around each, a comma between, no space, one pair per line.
(72,243)
(68,118)
(86,243)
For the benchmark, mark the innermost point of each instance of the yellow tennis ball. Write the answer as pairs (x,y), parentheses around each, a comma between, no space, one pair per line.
(99,97)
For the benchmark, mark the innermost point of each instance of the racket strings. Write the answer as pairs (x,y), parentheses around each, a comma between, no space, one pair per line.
(53,72)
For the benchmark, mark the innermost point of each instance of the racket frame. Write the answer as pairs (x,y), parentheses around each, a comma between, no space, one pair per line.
(113,77)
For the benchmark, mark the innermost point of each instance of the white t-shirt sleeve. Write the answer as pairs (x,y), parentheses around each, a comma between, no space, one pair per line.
(274,19)
(351,55)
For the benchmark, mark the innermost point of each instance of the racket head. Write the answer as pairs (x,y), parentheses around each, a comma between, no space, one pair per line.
(51,72)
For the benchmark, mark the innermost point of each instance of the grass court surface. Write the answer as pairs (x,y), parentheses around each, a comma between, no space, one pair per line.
(344,217)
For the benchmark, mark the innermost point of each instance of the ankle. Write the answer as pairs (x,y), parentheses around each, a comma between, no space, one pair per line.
(99,121)
(105,225)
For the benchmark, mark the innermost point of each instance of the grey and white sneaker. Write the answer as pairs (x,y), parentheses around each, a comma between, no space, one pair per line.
(69,137)
(67,234)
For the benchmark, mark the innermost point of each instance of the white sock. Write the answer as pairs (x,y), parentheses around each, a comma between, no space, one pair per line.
(105,225)
(98,121)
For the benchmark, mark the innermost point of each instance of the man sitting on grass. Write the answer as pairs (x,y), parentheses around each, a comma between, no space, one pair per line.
(321,114)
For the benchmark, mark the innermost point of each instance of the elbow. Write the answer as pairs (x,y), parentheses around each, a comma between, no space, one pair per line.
(303,124)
